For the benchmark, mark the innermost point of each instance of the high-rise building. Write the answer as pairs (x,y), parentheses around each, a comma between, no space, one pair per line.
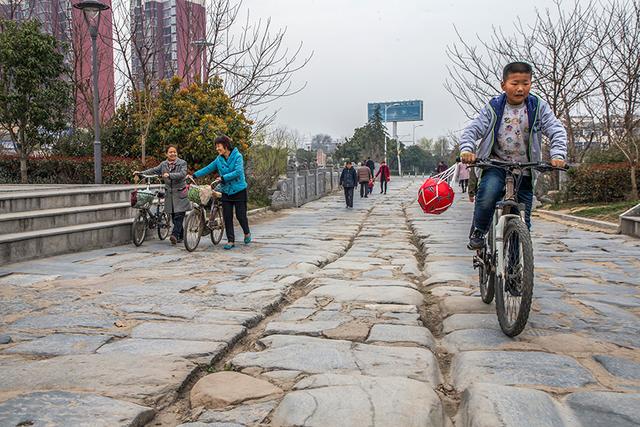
(61,20)
(164,32)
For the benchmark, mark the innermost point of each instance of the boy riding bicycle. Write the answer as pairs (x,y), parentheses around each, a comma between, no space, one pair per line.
(509,128)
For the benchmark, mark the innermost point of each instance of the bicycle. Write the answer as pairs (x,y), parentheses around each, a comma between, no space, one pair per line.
(195,224)
(505,264)
(145,218)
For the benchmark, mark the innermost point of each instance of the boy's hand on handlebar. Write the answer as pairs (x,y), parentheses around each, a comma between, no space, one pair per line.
(467,157)
(165,175)
(558,163)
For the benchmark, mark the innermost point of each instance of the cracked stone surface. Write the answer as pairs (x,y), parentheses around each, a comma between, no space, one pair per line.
(223,389)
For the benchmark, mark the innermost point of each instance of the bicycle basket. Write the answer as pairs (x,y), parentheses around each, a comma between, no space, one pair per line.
(141,198)
(200,194)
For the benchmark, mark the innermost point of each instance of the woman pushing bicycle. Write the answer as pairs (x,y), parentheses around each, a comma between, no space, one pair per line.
(230,166)
(509,128)
(173,171)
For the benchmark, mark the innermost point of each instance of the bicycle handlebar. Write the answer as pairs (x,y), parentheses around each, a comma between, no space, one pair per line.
(493,163)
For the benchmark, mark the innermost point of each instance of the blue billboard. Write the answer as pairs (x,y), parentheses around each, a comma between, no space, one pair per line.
(400,111)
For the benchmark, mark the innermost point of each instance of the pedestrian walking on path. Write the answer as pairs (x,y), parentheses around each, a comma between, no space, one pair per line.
(385,176)
(173,172)
(364,175)
(461,176)
(372,166)
(230,166)
(442,166)
(518,120)
(348,180)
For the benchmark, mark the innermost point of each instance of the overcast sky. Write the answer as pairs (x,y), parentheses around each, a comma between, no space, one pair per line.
(373,50)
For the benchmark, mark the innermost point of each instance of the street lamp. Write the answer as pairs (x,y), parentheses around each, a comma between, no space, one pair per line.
(91,9)
(202,44)
(414,133)
(385,125)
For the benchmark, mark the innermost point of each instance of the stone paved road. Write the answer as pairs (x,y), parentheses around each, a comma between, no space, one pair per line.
(376,322)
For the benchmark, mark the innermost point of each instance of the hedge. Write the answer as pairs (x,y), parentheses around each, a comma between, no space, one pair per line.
(600,182)
(70,170)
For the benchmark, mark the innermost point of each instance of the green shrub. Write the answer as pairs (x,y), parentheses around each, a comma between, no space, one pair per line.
(599,182)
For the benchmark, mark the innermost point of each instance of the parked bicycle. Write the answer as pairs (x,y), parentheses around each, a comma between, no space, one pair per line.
(146,218)
(196,223)
(505,264)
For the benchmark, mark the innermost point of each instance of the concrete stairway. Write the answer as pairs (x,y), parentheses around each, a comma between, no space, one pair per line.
(37,222)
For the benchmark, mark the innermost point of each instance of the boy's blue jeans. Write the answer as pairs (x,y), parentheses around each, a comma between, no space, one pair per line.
(491,190)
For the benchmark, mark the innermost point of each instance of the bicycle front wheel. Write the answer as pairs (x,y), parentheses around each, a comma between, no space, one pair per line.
(139,228)
(193,227)
(164,225)
(514,290)
(217,225)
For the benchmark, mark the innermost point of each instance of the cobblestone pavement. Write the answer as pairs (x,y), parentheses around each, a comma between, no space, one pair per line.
(332,317)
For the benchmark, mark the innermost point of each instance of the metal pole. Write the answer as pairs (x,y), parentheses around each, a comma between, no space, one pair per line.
(385,134)
(97,148)
(395,135)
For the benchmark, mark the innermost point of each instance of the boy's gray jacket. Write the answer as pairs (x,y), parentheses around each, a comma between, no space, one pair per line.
(541,119)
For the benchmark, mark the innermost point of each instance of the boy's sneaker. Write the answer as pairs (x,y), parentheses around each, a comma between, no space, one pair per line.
(476,240)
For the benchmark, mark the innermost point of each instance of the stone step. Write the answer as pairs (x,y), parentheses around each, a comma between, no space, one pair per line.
(18,222)
(63,197)
(27,245)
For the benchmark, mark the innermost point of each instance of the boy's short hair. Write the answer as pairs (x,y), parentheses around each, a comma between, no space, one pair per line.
(516,67)
(348,162)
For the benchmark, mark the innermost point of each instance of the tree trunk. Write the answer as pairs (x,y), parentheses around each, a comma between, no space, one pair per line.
(143,149)
(23,152)
(634,182)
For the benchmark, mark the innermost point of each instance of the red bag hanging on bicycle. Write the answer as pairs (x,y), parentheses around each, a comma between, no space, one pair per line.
(435,196)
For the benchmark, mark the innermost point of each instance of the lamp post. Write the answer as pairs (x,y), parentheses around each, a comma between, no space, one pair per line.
(385,124)
(202,44)
(414,133)
(398,153)
(91,10)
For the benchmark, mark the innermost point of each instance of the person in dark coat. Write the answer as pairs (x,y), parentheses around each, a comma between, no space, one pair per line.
(348,180)
(385,176)
(442,166)
(173,172)
(371,165)
(229,164)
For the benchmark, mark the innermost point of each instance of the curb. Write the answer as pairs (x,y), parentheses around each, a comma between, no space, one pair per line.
(258,211)
(607,227)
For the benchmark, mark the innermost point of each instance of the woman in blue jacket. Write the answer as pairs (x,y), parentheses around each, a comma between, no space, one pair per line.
(230,166)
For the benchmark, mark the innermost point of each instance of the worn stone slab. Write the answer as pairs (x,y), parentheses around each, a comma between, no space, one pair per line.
(316,355)
(465,304)
(379,273)
(486,405)
(595,409)
(294,314)
(311,328)
(457,322)
(61,408)
(402,333)
(117,375)
(517,368)
(69,320)
(328,399)
(381,294)
(223,389)
(189,331)
(245,415)
(364,282)
(5,339)
(162,347)
(475,339)
(60,344)
(446,277)
(244,318)
(445,291)
(620,367)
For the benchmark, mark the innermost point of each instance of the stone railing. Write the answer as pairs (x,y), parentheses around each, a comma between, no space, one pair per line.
(302,186)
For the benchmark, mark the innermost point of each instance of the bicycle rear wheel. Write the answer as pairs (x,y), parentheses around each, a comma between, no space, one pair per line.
(216,225)
(139,228)
(514,290)
(486,273)
(164,225)
(192,230)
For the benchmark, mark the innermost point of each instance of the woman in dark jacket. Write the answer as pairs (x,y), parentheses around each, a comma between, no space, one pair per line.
(173,171)
(348,180)
(230,166)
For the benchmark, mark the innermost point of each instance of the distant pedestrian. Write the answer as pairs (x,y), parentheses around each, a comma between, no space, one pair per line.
(364,175)
(442,166)
(348,180)
(462,176)
(385,176)
(371,165)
